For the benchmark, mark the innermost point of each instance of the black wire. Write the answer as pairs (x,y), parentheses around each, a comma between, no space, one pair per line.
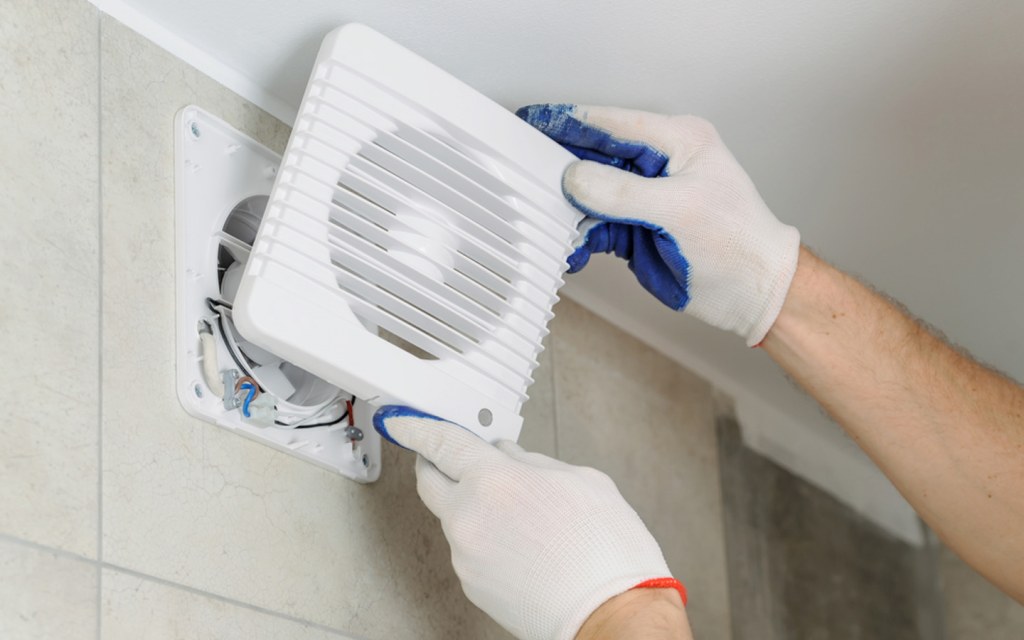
(318,424)
(214,307)
(224,336)
(213,304)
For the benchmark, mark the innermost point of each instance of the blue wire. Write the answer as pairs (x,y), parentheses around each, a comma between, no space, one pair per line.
(248,399)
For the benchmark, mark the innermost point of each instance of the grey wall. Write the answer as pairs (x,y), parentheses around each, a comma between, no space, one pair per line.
(973,607)
(803,565)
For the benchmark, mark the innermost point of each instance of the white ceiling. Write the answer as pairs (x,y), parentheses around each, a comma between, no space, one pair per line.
(890,133)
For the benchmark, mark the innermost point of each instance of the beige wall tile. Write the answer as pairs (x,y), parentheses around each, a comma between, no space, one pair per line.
(135,608)
(49,319)
(45,595)
(188,502)
(647,422)
(975,608)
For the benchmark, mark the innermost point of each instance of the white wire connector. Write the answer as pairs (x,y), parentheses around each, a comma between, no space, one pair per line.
(262,411)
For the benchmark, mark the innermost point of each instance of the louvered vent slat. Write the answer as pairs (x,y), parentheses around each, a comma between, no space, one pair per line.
(408,202)
(507,185)
(446,165)
(475,257)
(373,182)
(484,262)
(401,317)
(330,145)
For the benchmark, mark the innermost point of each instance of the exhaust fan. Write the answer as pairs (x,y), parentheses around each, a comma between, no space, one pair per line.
(409,252)
(223,181)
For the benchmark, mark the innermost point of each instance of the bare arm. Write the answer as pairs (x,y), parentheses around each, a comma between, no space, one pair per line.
(651,614)
(947,431)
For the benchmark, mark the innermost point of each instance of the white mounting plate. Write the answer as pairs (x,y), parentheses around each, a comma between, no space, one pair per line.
(216,167)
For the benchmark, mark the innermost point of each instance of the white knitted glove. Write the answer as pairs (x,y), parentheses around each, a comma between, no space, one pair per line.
(538,544)
(665,193)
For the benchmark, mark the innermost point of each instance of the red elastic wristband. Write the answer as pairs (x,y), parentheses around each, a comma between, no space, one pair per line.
(664,583)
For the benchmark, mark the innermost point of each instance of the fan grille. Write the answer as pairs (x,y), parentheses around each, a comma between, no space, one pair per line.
(425,233)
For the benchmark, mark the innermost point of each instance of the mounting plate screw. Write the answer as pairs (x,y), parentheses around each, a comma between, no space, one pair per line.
(198,390)
(366,460)
(353,433)
(194,128)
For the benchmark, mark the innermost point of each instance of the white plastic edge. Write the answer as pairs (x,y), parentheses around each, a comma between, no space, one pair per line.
(228,76)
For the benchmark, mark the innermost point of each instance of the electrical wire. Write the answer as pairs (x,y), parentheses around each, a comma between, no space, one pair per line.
(248,398)
(213,304)
(218,307)
(304,422)
(313,413)
(345,414)
(247,379)
(324,424)
(210,368)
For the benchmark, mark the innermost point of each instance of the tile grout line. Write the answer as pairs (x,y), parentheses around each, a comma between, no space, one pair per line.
(100,566)
(99,325)
(63,553)
(238,603)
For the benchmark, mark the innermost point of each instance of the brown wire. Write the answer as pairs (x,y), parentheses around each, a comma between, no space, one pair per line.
(250,380)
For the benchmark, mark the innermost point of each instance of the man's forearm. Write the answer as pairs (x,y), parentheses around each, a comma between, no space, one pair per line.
(947,431)
(651,614)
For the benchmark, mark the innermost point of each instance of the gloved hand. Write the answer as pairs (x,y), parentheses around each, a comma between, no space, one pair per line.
(665,193)
(538,544)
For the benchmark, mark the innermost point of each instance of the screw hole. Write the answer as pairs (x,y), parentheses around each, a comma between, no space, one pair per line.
(194,128)
(198,390)
(366,460)
(485,417)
